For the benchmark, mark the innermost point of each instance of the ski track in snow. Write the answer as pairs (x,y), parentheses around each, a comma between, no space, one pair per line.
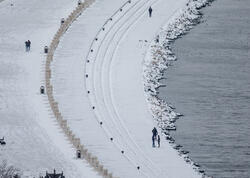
(101,86)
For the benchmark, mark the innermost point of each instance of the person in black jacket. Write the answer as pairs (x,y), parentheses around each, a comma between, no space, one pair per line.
(150,10)
(155,132)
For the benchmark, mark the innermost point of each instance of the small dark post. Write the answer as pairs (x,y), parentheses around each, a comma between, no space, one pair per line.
(62,21)
(78,154)
(79,2)
(157,39)
(2,142)
(42,90)
(46,49)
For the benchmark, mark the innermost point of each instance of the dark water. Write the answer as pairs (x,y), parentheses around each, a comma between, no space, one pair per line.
(210,85)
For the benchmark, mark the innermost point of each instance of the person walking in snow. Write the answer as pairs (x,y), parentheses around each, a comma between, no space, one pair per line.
(155,132)
(150,10)
(159,141)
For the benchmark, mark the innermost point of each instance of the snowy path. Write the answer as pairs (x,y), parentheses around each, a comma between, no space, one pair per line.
(113,78)
(35,144)
(126,87)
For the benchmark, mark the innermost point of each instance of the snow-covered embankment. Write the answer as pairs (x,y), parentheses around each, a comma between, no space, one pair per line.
(160,56)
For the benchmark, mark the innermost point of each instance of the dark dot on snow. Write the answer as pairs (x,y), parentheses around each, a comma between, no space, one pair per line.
(11,4)
(87,75)
(93,107)
(88,91)
(101,123)
(103,28)
(87,61)
(138,167)
(120,9)
(129,1)
(111,139)
(91,50)
(122,151)
(96,39)
(110,19)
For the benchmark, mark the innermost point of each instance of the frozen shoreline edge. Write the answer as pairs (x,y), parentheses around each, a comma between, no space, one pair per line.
(158,58)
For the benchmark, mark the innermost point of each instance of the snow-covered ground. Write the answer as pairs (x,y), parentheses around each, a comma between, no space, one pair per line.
(35,144)
(111,70)
(95,81)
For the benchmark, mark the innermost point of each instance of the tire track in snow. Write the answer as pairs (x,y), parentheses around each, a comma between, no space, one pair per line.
(98,115)
(108,101)
(107,130)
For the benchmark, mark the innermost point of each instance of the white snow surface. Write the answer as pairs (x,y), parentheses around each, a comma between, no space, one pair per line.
(115,82)
(35,144)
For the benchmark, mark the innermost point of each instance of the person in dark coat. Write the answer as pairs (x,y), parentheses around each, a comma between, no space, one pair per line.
(155,132)
(150,10)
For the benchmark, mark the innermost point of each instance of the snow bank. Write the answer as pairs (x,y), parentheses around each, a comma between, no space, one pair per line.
(159,58)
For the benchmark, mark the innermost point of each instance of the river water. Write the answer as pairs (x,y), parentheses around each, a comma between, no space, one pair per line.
(210,85)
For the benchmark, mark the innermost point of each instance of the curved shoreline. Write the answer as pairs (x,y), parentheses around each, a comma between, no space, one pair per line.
(159,57)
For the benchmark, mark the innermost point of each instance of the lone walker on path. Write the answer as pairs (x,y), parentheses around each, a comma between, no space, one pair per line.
(154,131)
(150,10)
